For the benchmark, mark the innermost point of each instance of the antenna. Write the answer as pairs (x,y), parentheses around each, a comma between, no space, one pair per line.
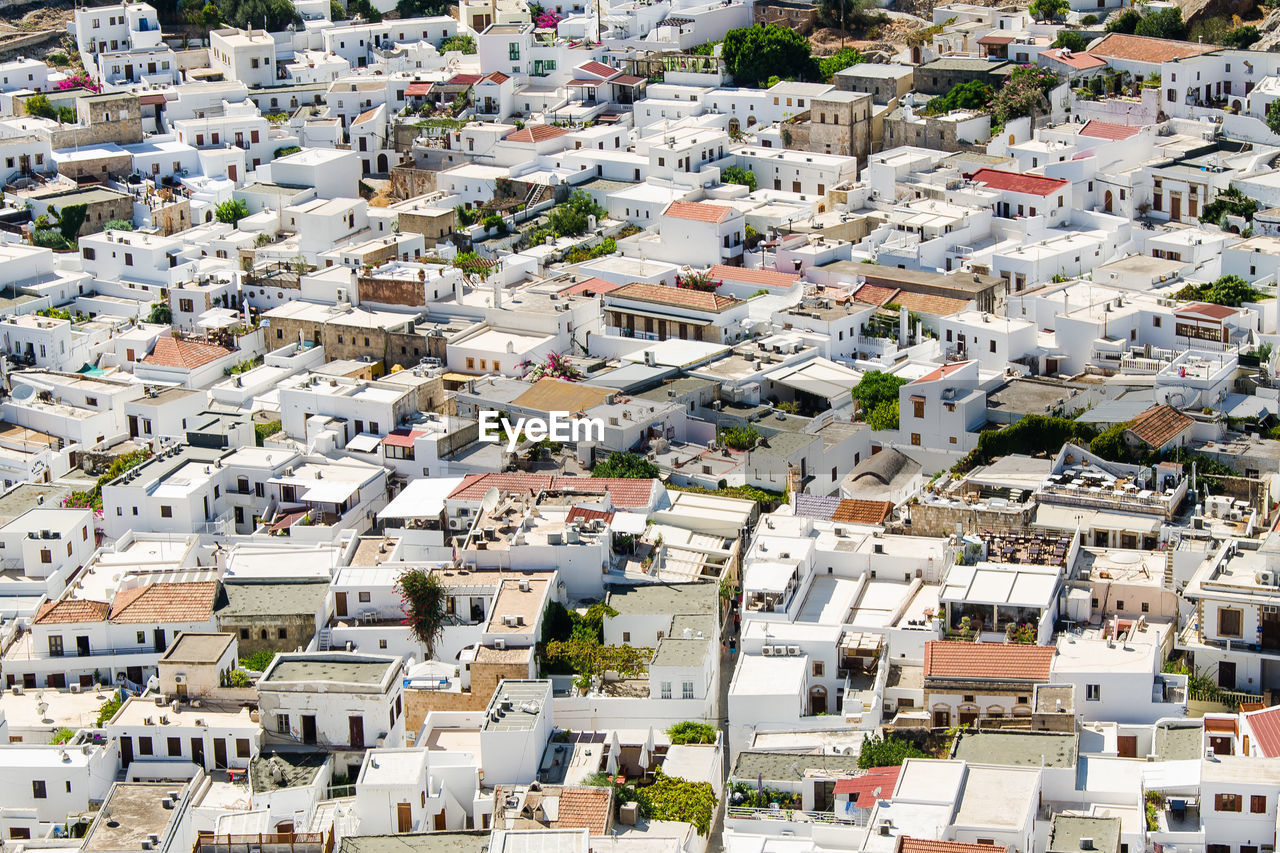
(490,500)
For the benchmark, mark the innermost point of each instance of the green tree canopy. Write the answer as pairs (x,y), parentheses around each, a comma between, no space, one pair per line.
(887,751)
(463,44)
(1232,202)
(1071,40)
(423,598)
(1124,22)
(1026,94)
(739,175)
(570,219)
(973,95)
(1229,290)
(754,54)
(629,466)
(1047,10)
(231,211)
(1162,24)
(275,15)
(847,57)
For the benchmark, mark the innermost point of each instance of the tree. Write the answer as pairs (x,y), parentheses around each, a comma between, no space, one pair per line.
(628,466)
(844,58)
(1273,116)
(883,416)
(974,95)
(1232,202)
(336,11)
(1026,94)
(421,8)
(887,751)
(161,314)
(274,15)
(463,44)
(423,597)
(850,15)
(1242,38)
(876,388)
(38,105)
(570,219)
(740,438)
(1071,40)
(1163,24)
(692,732)
(118,225)
(1232,291)
(1126,22)
(1048,10)
(70,220)
(754,54)
(231,211)
(210,17)
(700,281)
(739,175)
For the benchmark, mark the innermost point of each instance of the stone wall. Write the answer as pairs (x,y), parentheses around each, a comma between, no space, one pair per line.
(407,181)
(485,678)
(391,291)
(934,520)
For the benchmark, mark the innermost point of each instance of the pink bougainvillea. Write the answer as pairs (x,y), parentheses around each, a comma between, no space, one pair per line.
(548,20)
(555,366)
(79,81)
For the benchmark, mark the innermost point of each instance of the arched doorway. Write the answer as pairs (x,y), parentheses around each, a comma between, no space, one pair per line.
(734,126)
(382,163)
(1235,105)
(817,700)
(1106,202)
(208,216)
(751,121)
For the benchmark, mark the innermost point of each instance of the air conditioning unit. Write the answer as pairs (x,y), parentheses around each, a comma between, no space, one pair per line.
(179,679)
(75,687)
(793,650)
(779,651)
(767,651)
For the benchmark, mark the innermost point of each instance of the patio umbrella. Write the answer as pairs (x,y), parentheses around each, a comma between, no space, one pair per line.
(646,751)
(615,748)
(611,765)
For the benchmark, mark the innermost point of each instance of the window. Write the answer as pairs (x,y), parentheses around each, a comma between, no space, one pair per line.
(166,511)
(244,633)
(819,668)
(144,746)
(917,408)
(175,747)
(666,690)
(55,645)
(282,724)
(1227,803)
(242,747)
(364,597)
(626,636)
(1093,692)
(1258,804)
(128,259)
(186,305)
(1146,607)
(1155,321)
(686,690)
(1229,622)
(37,789)
(282,633)
(513,51)
(142,637)
(992,345)
(915,439)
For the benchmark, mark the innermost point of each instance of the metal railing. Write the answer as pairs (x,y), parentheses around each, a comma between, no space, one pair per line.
(796,815)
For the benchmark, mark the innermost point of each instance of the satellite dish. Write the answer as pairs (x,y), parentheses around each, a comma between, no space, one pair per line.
(490,500)
(23,392)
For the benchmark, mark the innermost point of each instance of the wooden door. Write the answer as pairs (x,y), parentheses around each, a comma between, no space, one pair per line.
(1175,208)
(356,726)
(1127,746)
(219,753)
(197,751)
(404,817)
(440,827)
(1227,675)
(340,603)
(126,751)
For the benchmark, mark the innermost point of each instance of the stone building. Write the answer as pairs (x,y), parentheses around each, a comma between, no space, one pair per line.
(273,617)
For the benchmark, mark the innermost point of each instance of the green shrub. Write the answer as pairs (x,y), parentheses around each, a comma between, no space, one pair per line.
(110,707)
(692,732)
(887,751)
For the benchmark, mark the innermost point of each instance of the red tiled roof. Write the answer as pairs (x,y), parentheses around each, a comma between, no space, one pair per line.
(180,352)
(463,80)
(586,808)
(930,303)
(418,89)
(535,133)
(72,610)
(993,661)
(996,40)
(678,297)
(764,278)
(1143,49)
(698,211)
(875,294)
(856,511)
(1159,425)
(622,493)
(1222,725)
(907,844)
(1266,731)
(1016,182)
(1207,309)
(365,116)
(597,69)
(578,513)
(1078,61)
(1108,130)
(628,80)
(593,84)
(400,438)
(861,787)
(941,373)
(165,602)
(592,286)
(152,99)
(495,77)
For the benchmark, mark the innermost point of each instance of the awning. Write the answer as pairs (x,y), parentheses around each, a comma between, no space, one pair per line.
(364,443)
(329,491)
(1148,524)
(586,84)
(674,318)
(629,522)
(421,498)
(861,644)
(450,376)
(768,577)
(400,438)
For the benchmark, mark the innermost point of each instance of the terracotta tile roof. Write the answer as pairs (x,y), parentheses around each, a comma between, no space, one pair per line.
(698,211)
(1207,309)
(593,84)
(365,116)
(930,303)
(586,808)
(558,395)
(1221,725)
(72,610)
(622,493)
(861,787)
(598,69)
(1266,731)
(1016,182)
(996,40)
(1108,130)
(180,352)
(941,373)
(401,437)
(995,661)
(1159,425)
(463,80)
(628,80)
(676,297)
(418,89)
(591,287)
(907,844)
(763,278)
(495,77)
(1143,49)
(856,511)
(1077,61)
(535,133)
(875,294)
(165,602)
(578,513)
